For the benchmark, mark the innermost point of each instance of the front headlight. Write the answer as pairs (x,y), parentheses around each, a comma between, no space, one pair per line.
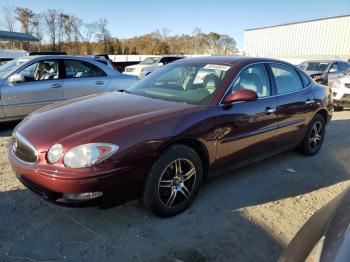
(88,154)
(55,153)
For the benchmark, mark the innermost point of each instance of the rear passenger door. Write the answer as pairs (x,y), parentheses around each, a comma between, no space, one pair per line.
(83,78)
(295,103)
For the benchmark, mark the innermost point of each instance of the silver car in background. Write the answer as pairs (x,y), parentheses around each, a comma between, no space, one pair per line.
(326,72)
(31,82)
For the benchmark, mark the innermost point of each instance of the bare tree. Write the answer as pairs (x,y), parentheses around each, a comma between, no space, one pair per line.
(51,19)
(9,18)
(88,34)
(25,17)
(38,27)
(165,33)
(103,34)
(77,23)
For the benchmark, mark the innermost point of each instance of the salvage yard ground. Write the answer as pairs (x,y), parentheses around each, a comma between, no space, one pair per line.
(249,215)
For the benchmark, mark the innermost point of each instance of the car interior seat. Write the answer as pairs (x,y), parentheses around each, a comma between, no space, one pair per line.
(211,82)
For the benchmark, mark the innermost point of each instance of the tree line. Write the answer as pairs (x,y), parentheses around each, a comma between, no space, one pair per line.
(63,32)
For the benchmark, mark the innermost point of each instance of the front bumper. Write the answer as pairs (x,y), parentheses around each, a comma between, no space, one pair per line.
(52,184)
(341,102)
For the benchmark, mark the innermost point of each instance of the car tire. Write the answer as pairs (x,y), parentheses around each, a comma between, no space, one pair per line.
(173,181)
(314,136)
(338,108)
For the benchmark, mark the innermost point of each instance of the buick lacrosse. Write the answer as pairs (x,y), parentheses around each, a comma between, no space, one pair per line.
(161,138)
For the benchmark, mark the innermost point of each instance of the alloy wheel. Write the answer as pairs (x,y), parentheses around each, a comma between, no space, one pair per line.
(316,135)
(177,182)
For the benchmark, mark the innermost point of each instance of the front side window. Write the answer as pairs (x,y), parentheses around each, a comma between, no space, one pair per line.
(81,69)
(192,83)
(287,79)
(255,78)
(40,71)
(343,67)
(334,68)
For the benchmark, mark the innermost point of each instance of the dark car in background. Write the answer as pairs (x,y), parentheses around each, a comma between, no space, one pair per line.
(159,139)
(325,236)
(325,72)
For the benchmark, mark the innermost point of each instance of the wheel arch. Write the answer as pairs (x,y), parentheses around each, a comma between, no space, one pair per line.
(194,144)
(324,113)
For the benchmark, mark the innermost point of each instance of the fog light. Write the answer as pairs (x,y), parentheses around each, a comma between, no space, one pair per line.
(82,196)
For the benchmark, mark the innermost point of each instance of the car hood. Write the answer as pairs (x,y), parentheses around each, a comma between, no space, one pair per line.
(310,73)
(138,67)
(345,79)
(91,118)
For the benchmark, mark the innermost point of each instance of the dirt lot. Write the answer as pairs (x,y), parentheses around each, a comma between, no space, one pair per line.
(249,215)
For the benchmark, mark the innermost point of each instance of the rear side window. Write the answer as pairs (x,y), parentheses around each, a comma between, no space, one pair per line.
(81,69)
(304,78)
(286,78)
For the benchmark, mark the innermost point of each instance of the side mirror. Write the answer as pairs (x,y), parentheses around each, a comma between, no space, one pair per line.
(16,78)
(160,64)
(332,70)
(240,96)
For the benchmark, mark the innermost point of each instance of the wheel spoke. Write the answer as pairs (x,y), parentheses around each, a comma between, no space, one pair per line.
(171,198)
(318,129)
(185,191)
(178,169)
(189,174)
(165,183)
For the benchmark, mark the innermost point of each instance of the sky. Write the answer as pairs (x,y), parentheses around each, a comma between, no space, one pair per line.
(137,17)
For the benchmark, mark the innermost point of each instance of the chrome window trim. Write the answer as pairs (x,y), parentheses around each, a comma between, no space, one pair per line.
(28,144)
(271,96)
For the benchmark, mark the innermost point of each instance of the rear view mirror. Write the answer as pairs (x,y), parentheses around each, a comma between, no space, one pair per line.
(160,64)
(16,78)
(332,70)
(240,96)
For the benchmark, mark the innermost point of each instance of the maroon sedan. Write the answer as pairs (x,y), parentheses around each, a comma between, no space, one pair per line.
(160,139)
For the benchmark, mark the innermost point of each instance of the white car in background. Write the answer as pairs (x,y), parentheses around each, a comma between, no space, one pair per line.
(341,92)
(149,64)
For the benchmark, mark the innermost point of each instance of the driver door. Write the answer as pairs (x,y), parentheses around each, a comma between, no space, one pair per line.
(248,130)
(40,85)
(334,73)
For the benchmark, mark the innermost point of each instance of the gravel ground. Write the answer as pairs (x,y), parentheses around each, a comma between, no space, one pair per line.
(249,215)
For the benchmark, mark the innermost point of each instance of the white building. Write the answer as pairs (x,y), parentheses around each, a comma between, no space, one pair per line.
(324,38)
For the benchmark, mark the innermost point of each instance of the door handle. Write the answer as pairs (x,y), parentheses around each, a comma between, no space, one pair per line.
(99,83)
(56,86)
(270,110)
(309,101)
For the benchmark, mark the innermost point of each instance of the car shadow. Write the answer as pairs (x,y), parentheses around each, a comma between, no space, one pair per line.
(6,128)
(219,226)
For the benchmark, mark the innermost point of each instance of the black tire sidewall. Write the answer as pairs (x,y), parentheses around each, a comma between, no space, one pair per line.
(306,144)
(151,196)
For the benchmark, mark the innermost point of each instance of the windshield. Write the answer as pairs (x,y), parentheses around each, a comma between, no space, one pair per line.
(313,66)
(149,61)
(190,83)
(12,65)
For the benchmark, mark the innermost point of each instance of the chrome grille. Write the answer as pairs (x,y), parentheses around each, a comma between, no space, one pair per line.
(23,150)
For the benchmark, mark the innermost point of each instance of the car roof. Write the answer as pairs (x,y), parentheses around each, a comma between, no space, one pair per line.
(231,60)
(324,61)
(59,57)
